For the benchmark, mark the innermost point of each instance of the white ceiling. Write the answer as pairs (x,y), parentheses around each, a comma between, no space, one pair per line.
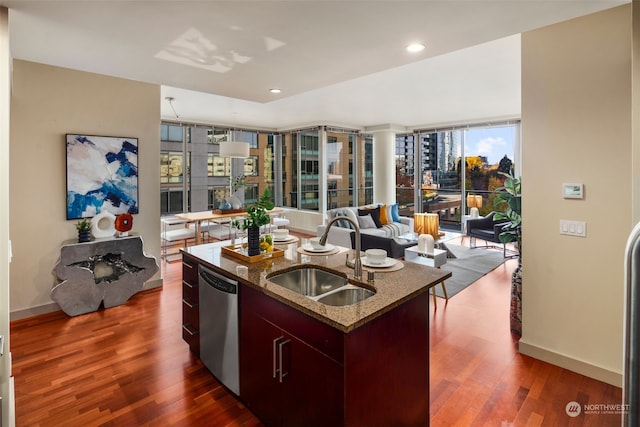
(338,62)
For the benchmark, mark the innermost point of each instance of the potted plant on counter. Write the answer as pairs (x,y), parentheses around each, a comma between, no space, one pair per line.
(257,216)
(84,230)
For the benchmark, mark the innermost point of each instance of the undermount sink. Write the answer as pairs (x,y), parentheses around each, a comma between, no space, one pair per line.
(346,296)
(309,281)
(321,285)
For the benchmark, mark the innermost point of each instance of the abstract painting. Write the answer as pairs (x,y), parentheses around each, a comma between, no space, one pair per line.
(102,175)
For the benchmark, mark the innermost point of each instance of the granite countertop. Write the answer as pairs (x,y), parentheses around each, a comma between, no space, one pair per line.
(392,287)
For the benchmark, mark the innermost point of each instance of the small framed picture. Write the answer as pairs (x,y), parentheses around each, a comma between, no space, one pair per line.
(573,191)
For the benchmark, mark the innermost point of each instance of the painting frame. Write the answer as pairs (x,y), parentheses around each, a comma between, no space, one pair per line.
(102,175)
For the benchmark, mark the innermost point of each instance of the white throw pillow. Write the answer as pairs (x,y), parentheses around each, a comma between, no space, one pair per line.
(365,221)
(390,213)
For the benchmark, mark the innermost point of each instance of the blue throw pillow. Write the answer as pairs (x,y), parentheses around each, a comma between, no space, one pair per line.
(342,223)
(395,215)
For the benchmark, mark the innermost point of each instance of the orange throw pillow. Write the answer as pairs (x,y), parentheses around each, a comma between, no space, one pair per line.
(384,219)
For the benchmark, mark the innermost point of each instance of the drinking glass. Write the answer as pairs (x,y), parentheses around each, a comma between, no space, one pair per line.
(242,233)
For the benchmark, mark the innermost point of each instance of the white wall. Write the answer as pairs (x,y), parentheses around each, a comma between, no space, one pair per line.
(46,103)
(384,167)
(576,127)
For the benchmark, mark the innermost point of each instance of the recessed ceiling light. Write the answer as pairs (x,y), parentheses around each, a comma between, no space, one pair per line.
(415,47)
(275,90)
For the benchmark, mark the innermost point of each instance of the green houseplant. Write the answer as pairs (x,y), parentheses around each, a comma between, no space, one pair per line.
(509,199)
(257,216)
(508,205)
(84,230)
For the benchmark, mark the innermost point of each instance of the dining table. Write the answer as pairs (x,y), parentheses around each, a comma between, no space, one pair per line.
(198,217)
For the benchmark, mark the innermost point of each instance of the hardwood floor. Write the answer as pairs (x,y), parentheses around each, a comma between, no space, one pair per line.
(128,366)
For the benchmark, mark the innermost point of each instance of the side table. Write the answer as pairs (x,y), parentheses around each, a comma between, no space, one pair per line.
(104,271)
(439,258)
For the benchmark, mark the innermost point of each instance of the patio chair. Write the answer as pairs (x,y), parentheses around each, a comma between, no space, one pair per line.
(487,229)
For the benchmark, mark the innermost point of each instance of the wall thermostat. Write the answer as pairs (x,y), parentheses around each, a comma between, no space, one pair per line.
(573,191)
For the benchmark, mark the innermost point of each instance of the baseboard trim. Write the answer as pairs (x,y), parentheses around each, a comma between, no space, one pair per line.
(575,365)
(33,311)
(52,306)
(150,284)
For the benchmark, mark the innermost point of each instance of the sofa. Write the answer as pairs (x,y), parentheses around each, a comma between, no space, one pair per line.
(375,220)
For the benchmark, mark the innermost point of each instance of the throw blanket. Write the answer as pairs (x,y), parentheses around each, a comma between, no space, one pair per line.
(392,229)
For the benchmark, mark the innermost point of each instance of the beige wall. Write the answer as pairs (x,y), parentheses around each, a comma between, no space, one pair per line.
(576,127)
(46,103)
(636,110)
(6,387)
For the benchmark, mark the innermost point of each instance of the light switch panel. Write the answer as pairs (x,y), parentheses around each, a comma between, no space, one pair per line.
(573,228)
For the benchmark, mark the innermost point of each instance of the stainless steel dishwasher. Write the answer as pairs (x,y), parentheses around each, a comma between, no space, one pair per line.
(219,327)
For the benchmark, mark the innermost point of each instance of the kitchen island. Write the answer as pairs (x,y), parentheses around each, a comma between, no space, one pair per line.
(307,363)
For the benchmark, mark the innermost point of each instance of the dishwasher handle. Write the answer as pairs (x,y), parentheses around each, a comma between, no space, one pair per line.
(219,282)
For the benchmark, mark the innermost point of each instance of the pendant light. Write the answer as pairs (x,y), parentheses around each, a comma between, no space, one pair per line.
(238,149)
(234,149)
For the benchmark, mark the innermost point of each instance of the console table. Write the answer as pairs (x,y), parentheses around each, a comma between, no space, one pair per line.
(104,271)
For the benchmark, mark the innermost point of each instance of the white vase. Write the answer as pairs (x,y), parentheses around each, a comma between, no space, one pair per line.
(103,225)
(235,201)
(425,243)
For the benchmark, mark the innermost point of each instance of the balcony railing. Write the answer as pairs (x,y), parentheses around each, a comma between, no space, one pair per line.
(447,203)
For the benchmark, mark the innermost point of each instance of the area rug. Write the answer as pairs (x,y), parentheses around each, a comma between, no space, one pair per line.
(468,266)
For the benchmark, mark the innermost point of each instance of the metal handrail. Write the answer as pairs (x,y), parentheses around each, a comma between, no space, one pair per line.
(631,329)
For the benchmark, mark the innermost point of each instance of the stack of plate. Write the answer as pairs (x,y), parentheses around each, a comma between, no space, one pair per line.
(388,262)
(328,247)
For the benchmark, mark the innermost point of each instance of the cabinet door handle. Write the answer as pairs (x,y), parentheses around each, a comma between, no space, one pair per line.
(190,330)
(280,354)
(187,265)
(188,284)
(275,357)
(188,304)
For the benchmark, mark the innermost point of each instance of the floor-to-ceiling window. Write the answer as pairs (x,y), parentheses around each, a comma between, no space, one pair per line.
(302,166)
(364,167)
(489,151)
(259,168)
(439,178)
(349,168)
(173,164)
(181,157)
(430,174)
(405,177)
(339,170)
(445,180)
(289,169)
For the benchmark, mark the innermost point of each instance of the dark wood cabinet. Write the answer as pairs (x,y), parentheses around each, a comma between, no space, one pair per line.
(190,304)
(377,374)
(296,370)
(284,380)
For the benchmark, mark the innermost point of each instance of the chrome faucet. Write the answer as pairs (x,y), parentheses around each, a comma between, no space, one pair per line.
(357,262)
